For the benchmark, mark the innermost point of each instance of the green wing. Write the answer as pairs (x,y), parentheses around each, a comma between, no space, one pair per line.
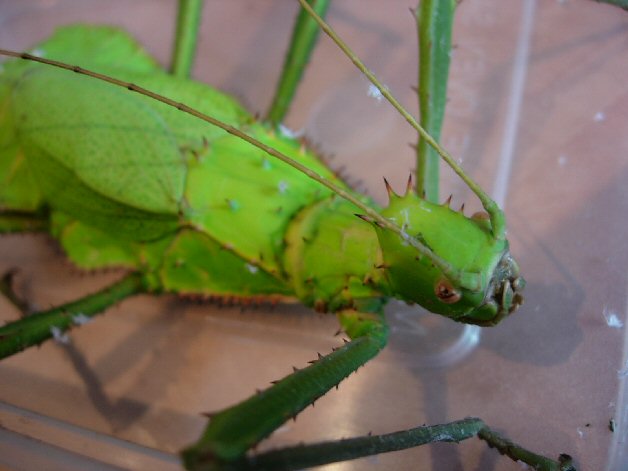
(98,140)
(111,158)
(104,49)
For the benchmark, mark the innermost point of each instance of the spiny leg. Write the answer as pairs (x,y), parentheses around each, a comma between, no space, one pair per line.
(115,412)
(36,328)
(231,432)
(434,20)
(302,42)
(317,454)
(519,454)
(188,19)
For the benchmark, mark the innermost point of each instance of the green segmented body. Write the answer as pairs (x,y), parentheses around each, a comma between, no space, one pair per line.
(131,182)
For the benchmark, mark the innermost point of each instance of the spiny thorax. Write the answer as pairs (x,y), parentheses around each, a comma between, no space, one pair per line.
(333,259)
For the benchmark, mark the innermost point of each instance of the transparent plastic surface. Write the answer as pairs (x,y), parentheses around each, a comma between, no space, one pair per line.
(537,113)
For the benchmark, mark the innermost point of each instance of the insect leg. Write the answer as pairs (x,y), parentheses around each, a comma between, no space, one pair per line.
(434,19)
(34,329)
(302,42)
(188,19)
(231,432)
(317,454)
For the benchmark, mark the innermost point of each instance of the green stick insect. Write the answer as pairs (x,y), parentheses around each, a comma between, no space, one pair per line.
(130,179)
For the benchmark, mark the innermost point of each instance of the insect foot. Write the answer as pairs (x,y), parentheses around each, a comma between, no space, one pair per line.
(465,272)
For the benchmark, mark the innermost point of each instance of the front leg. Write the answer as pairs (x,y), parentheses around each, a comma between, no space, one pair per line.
(233,431)
(41,326)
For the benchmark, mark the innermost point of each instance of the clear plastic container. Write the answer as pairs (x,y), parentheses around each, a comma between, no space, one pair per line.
(537,113)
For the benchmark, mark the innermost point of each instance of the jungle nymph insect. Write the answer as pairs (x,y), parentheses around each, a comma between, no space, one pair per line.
(208,201)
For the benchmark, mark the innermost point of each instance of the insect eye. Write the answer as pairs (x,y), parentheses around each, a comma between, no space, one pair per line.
(446,292)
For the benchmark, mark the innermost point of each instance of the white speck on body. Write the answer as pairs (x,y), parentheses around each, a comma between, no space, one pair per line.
(80,319)
(580,432)
(599,117)
(282,187)
(374,92)
(285,131)
(37,53)
(251,268)
(612,319)
(405,236)
(59,335)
